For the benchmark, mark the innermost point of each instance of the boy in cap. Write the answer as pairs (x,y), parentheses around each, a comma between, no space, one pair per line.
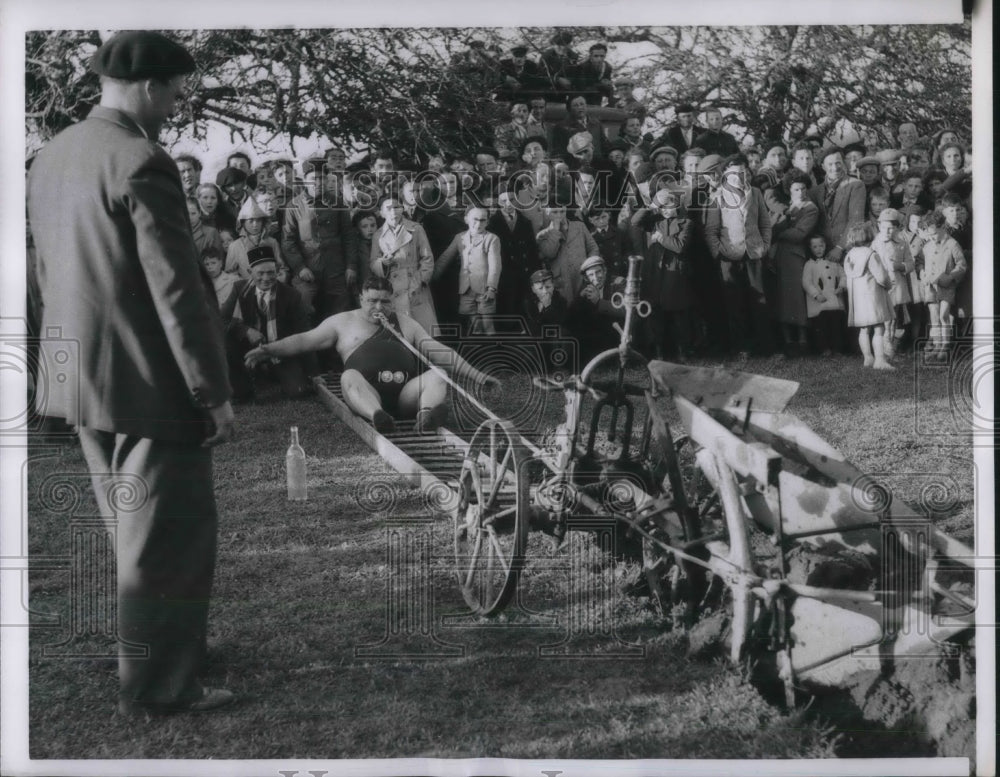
(521,77)
(148,391)
(265,311)
(894,252)
(592,316)
(545,307)
(714,139)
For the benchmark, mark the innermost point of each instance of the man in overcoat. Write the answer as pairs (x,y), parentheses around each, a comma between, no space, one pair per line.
(120,278)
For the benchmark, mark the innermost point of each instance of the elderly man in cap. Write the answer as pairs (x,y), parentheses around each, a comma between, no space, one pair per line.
(890,161)
(840,198)
(265,310)
(147,390)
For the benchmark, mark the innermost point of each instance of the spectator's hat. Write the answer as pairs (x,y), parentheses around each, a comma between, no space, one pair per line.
(141,54)
(540,276)
(591,262)
(664,150)
(260,255)
(868,160)
(890,214)
(562,39)
(860,147)
(579,142)
(519,51)
(709,163)
(684,108)
(889,156)
(251,210)
(227,176)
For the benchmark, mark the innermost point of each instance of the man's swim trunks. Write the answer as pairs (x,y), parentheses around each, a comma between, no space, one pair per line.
(386,364)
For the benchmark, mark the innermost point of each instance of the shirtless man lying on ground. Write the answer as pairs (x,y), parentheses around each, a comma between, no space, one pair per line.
(382,379)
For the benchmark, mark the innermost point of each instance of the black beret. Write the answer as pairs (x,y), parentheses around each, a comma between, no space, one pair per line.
(140,54)
(228,176)
(519,51)
(260,254)
(684,108)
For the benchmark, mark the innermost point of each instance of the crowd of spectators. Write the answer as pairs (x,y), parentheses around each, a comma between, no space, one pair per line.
(773,248)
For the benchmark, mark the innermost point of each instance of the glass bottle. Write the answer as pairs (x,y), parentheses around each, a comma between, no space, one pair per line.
(295,467)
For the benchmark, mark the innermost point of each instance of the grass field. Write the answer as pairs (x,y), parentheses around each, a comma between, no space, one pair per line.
(301,627)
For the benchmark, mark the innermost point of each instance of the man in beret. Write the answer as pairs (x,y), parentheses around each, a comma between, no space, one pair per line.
(682,134)
(265,311)
(889,160)
(120,277)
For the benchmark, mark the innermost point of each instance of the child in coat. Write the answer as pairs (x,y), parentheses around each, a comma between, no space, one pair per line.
(867,294)
(894,252)
(943,269)
(911,234)
(825,284)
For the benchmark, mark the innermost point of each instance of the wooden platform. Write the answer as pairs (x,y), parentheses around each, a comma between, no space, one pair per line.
(424,458)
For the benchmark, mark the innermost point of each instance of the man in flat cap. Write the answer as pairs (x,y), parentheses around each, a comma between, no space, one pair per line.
(120,277)
(521,78)
(545,307)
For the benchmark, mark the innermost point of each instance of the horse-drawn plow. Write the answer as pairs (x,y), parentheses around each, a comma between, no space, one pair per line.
(740,515)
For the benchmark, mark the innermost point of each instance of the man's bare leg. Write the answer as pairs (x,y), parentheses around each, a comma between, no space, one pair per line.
(364,400)
(424,397)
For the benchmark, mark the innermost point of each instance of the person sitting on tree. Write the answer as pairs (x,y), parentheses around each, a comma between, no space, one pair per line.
(382,379)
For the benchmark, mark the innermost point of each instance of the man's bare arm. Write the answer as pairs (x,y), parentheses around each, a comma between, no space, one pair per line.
(321,337)
(440,355)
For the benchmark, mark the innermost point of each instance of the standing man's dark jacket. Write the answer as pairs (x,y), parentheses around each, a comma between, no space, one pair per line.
(119,272)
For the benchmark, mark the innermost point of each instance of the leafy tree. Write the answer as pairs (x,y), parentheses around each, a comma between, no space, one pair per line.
(414,90)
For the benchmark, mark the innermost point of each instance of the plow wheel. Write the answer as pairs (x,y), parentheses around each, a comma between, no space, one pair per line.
(491,519)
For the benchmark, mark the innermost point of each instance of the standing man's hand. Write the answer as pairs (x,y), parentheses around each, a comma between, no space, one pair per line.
(351,277)
(223,425)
